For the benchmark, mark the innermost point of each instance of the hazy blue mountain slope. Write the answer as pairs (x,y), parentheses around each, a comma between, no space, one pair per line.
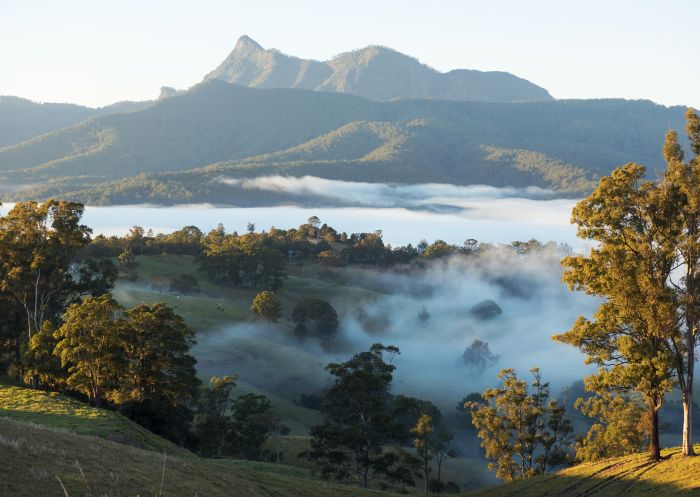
(210,123)
(374,72)
(217,129)
(22,119)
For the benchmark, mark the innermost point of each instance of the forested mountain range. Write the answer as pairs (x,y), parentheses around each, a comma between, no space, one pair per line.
(288,116)
(184,144)
(374,72)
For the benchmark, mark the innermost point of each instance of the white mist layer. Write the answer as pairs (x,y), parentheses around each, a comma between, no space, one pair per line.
(496,215)
(535,304)
(382,194)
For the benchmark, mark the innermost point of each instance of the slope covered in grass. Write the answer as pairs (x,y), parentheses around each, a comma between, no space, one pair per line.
(629,476)
(59,412)
(33,459)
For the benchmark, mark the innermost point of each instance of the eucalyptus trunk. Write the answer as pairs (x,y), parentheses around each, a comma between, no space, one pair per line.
(654,445)
(687,398)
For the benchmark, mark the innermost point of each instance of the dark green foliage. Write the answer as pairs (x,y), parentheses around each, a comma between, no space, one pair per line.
(252,421)
(235,427)
(358,423)
(159,366)
(486,310)
(367,248)
(172,422)
(38,244)
(137,360)
(211,420)
(95,277)
(315,317)
(406,411)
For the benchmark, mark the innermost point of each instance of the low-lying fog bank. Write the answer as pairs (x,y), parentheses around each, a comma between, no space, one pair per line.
(429,315)
(404,213)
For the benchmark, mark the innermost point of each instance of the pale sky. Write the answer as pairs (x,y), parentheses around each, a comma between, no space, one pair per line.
(99,52)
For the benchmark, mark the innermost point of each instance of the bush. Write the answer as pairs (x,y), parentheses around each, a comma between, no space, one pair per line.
(267,305)
(315,317)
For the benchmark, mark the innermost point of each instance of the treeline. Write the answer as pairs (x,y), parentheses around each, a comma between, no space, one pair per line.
(61,330)
(259,260)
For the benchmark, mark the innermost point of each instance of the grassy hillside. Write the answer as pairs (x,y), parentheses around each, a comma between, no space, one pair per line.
(627,476)
(49,427)
(178,149)
(33,460)
(58,412)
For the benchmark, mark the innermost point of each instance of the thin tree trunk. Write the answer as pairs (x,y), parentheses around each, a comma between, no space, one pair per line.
(687,393)
(18,357)
(425,475)
(654,445)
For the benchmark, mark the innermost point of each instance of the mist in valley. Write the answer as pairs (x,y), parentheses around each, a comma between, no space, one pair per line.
(429,314)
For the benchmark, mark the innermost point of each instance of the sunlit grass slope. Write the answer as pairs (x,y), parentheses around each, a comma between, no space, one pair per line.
(629,476)
(59,412)
(33,459)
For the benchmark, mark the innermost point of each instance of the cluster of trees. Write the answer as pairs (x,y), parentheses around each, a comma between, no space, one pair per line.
(367,431)
(311,317)
(61,330)
(252,260)
(185,241)
(646,269)
(43,271)
(257,260)
(236,427)
(135,360)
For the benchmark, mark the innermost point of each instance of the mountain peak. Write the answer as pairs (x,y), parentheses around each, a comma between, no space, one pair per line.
(375,72)
(246,44)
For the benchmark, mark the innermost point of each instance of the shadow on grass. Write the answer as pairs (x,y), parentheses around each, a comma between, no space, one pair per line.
(633,476)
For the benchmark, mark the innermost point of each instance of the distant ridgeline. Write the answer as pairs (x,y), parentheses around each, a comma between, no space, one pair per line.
(373,115)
